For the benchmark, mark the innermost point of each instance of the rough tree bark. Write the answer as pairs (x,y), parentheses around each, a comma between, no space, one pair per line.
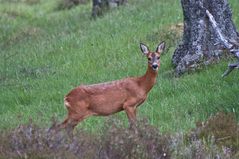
(201,44)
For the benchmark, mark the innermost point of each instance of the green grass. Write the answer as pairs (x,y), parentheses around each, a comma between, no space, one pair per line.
(45,53)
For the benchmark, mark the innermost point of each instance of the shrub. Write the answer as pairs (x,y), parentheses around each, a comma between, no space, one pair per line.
(221,129)
(143,141)
(31,141)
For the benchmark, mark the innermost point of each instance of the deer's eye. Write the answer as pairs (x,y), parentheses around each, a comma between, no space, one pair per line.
(149,58)
(158,58)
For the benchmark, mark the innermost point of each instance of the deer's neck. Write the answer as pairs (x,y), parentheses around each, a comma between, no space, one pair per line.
(148,80)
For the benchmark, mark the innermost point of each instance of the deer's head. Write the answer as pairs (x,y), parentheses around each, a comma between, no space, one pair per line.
(153,57)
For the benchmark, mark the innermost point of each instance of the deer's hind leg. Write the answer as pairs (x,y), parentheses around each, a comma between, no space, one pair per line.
(71,121)
(76,113)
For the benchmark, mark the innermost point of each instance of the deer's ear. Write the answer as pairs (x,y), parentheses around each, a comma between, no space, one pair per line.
(161,47)
(144,49)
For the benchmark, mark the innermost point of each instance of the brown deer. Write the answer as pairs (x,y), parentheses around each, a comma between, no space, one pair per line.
(111,97)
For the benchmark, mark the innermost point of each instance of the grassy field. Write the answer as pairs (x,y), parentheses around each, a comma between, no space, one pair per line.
(46,52)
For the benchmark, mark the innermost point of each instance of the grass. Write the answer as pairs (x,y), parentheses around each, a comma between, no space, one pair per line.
(45,53)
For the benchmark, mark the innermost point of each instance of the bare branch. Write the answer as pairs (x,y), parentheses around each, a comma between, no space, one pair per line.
(230,68)
(237,54)
(224,41)
(227,43)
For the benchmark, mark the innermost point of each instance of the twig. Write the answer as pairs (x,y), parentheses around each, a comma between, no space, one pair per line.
(224,138)
(230,68)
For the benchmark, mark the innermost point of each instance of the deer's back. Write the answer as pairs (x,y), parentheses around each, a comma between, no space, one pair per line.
(105,98)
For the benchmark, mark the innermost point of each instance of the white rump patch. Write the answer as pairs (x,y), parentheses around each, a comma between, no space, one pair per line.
(66,103)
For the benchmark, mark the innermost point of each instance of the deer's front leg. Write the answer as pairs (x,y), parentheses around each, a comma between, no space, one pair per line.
(131,114)
(130,110)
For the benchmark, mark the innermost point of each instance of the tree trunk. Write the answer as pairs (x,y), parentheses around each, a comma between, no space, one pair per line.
(99,6)
(201,44)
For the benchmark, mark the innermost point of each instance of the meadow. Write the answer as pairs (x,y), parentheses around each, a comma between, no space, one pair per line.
(45,52)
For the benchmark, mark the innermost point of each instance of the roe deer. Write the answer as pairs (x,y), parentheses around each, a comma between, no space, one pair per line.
(111,97)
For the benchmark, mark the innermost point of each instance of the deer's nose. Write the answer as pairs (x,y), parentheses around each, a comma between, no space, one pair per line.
(155,66)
